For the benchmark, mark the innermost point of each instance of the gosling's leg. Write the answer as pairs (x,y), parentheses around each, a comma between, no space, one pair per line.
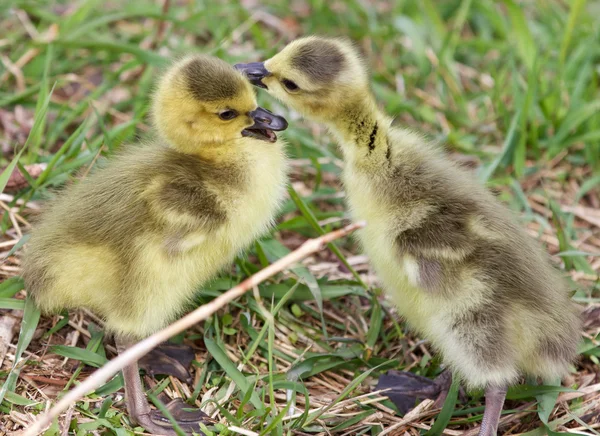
(135,398)
(494,400)
(152,420)
(137,405)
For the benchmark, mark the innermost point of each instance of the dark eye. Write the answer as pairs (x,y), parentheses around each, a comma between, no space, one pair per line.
(228,114)
(291,86)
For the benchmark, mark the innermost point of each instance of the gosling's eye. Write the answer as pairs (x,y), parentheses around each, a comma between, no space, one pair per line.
(228,114)
(290,86)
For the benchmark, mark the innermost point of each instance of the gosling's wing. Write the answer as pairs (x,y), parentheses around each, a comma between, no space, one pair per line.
(461,225)
(186,199)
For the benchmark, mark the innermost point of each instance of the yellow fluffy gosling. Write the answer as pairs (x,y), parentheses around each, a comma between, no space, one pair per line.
(134,240)
(451,256)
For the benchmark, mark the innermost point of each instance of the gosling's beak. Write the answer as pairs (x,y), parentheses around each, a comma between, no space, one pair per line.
(263,119)
(255,71)
(265,125)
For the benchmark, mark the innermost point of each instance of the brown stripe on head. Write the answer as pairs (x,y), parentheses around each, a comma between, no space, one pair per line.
(211,79)
(320,60)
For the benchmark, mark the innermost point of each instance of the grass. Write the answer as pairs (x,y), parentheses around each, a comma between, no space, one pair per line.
(511,88)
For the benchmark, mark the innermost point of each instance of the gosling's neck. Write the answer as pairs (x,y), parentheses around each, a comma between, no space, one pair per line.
(362,131)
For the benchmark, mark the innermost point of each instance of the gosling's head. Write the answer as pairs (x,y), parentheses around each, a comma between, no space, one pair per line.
(316,76)
(202,102)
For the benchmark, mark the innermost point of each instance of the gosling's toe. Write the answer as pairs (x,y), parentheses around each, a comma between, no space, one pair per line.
(187,417)
(405,388)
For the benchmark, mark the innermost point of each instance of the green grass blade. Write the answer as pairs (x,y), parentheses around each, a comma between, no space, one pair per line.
(160,406)
(12,303)
(85,9)
(437,23)
(374,324)
(59,325)
(229,367)
(86,356)
(38,124)
(547,400)
(452,38)
(11,286)
(310,217)
(353,385)
(256,342)
(571,122)
(561,234)
(574,12)
(36,134)
(509,142)
(521,392)
(275,250)
(9,170)
(272,367)
(443,418)
(75,139)
(519,155)
(92,24)
(586,187)
(145,56)
(19,96)
(31,317)
(18,400)
(92,355)
(526,46)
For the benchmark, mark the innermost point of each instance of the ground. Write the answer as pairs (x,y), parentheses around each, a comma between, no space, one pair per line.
(511,89)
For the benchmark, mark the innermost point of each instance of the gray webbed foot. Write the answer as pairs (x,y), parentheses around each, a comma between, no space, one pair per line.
(406,388)
(187,417)
(169,359)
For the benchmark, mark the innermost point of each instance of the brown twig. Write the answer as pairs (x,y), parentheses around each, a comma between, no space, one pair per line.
(162,24)
(134,353)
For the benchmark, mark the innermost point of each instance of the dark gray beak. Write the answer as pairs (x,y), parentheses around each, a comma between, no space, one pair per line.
(265,124)
(255,72)
(264,119)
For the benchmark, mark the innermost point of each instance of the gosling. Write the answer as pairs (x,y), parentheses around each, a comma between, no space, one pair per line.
(450,256)
(133,241)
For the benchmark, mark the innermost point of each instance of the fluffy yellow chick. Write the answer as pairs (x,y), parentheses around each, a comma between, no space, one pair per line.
(135,239)
(450,255)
